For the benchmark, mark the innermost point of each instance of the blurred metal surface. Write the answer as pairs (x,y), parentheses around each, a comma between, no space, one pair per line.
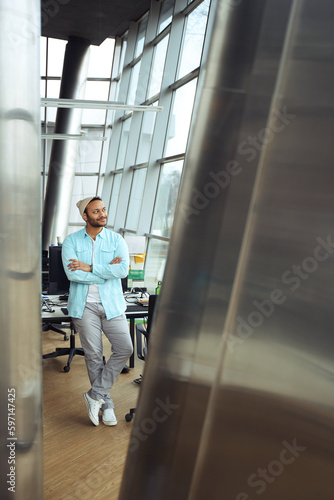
(272,404)
(20,248)
(237,394)
(64,154)
(199,277)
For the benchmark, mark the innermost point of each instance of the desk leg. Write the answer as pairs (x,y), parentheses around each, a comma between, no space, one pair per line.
(132,335)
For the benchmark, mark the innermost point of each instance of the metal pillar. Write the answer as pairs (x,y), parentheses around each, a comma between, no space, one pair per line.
(237,400)
(63,157)
(21,463)
(195,292)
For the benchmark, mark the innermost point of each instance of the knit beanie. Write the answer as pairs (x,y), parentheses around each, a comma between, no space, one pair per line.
(82,204)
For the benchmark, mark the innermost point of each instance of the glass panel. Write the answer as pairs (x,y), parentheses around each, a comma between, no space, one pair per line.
(140,37)
(133,83)
(146,134)
(166,14)
(114,199)
(136,196)
(56,56)
(42,192)
(100,59)
(123,143)
(48,145)
(43,90)
(158,67)
(179,121)
(114,91)
(43,146)
(83,187)
(99,188)
(89,152)
(166,198)
(95,91)
(43,55)
(43,87)
(155,263)
(52,90)
(121,62)
(193,40)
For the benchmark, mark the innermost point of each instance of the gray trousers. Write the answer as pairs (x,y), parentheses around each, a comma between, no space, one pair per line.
(90,328)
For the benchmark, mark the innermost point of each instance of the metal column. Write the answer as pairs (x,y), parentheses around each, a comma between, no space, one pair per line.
(236,400)
(198,280)
(63,157)
(270,423)
(20,249)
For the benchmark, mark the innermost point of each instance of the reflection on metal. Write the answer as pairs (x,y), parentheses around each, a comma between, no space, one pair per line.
(64,154)
(237,394)
(21,462)
(86,104)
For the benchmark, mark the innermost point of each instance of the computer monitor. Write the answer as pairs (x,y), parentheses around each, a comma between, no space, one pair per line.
(58,281)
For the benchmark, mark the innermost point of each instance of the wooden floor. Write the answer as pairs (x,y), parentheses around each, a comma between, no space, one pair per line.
(81,460)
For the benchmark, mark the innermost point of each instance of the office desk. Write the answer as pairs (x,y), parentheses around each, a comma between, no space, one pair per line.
(133,312)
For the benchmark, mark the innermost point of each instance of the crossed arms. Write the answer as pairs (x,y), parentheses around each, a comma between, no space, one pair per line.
(82,272)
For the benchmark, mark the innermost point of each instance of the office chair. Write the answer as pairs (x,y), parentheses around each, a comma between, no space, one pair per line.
(71,351)
(142,341)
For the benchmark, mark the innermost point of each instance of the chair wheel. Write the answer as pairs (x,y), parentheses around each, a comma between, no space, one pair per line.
(66,337)
(67,368)
(128,417)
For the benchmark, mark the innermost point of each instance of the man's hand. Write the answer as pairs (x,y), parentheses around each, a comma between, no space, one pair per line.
(77,265)
(116,260)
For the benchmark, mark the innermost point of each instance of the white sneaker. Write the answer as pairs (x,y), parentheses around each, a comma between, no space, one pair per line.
(93,407)
(109,417)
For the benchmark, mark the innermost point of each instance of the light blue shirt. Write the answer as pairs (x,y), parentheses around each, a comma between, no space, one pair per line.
(108,245)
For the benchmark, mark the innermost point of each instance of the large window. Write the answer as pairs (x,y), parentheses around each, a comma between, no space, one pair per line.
(148,149)
(137,167)
(87,153)
(193,39)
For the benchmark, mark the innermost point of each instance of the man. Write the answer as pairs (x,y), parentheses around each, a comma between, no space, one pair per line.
(95,259)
